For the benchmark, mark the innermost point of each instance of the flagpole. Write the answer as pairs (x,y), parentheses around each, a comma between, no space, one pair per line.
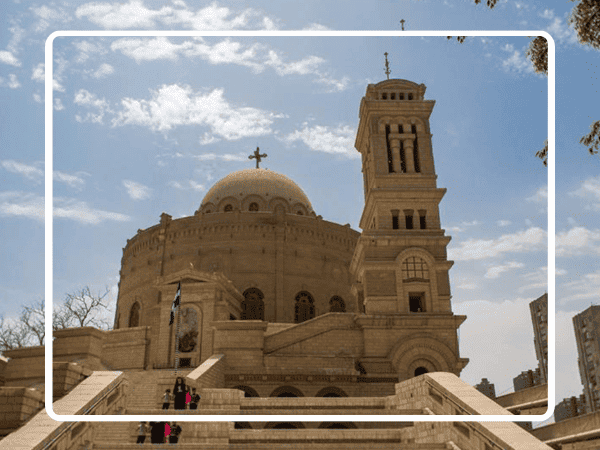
(177,333)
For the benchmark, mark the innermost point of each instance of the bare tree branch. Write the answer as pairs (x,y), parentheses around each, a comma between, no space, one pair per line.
(13,335)
(83,307)
(543,153)
(33,319)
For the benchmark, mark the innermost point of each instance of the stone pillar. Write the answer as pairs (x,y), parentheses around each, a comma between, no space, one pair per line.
(408,154)
(396,160)
(279,274)
(81,345)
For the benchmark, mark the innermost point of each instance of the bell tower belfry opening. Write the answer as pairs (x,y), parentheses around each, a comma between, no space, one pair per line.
(400,261)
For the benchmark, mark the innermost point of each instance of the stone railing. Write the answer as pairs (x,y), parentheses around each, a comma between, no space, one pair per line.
(101,393)
(208,375)
(308,329)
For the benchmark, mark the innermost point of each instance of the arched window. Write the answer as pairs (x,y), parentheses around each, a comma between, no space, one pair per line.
(305,307)
(415,269)
(336,304)
(420,371)
(248,391)
(331,391)
(228,208)
(208,211)
(253,206)
(134,315)
(253,306)
(300,213)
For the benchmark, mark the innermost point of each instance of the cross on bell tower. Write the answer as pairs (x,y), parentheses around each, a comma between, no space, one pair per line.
(257,156)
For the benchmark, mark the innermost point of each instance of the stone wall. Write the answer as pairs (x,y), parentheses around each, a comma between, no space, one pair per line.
(209,375)
(17,404)
(125,348)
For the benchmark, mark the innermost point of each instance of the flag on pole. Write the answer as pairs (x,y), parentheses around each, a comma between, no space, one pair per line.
(175,304)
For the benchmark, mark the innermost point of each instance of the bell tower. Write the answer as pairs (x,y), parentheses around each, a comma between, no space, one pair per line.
(400,262)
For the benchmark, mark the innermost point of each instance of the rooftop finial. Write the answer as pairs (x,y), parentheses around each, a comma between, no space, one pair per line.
(387,66)
(402,22)
(257,156)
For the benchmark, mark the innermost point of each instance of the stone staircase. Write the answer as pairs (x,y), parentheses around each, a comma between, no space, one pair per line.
(146,388)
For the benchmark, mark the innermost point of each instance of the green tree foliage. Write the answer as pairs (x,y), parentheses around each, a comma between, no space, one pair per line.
(585,19)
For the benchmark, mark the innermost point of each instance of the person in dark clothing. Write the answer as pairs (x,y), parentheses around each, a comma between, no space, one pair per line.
(195,399)
(175,432)
(179,393)
(157,434)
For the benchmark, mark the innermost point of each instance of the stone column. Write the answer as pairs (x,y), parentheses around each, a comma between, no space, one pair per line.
(408,154)
(396,161)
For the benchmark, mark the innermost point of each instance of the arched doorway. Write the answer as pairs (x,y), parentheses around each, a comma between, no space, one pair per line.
(305,307)
(287,391)
(248,391)
(331,391)
(420,371)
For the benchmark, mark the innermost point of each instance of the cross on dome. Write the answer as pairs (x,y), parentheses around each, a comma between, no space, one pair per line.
(257,156)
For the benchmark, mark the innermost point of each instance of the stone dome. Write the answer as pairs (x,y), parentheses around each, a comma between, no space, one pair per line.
(268,188)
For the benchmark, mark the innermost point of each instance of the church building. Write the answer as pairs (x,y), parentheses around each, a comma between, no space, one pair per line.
(280,312)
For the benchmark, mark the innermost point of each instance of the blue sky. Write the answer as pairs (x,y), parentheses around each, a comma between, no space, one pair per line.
(148,125)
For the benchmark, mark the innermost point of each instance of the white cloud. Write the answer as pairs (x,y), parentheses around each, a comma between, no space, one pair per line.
(80,212)
(149,49)
(7,57)
(540,196)
(136,191)
(86,48)
(497,338)
(12,82)
(586,287)
(74,181)
(455,229)
(17,36)
(103,71)
(503,223)
(496,271)
(339,140)
(46,15)
(135,14)
(174,105)
(517,62)
(590,188)
(22,204)
(537,281)
(333,84)
(15,204)
(547,14)
(121,15)
(473,223)
(577,241)
(302,67)
(255,56)
(316,27)
(532,239)
(561,32)
(37,97)
(207,138)
(34,173)
(98,106)
(38,73)
(468,286)
(190,184)
(58,104)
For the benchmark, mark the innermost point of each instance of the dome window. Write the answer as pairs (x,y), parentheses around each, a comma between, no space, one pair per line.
(228,208)
(336,304)
(253,206)
(305,307)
